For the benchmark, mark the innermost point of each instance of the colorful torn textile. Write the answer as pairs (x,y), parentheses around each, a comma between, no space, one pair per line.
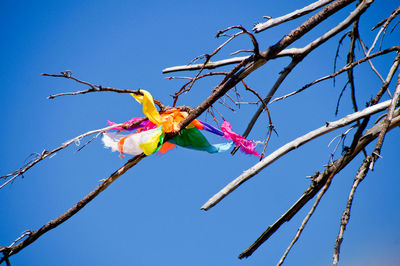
(245,145)
(149,135)
(192,138)
(136,143)
(149,109)
(130,125)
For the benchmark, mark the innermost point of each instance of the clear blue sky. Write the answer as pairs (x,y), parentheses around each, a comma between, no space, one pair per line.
(151,215)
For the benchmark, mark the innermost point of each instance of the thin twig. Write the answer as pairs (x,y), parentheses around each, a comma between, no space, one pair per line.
(374,101)
(337,54)
(243,31)
(354,35)
(185,88)
(223,103)
(342,138)
(395,25)
(46,153)
(387,21)
(242,51)
(271,126)
(388,79)
(271,93)
(345,68)
(369,61)
(24,234)
(93,88)
(68,75)
(207,63)
(84,145)
(306,219)
(340,97)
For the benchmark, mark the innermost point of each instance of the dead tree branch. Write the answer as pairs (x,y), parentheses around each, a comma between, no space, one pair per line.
(301,53)
(93,88)
(68,75)
(271,126)
(369,61)
(209,65)
(46,153)
(185,88)
(330,126)
(249,65)
(12,250)
(272,22)
(350,59)
(367,164)
(344,69)
(319,180)
(306,219)
(346,34)
(243,68)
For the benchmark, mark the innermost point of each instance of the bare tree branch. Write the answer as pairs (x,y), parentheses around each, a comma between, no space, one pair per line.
(306,219)
(350,59)
(385,23)
(330,126)
(12,250)
(337,53)
(369,61)
(93,88)
(363,170)
(319,180)
(301,53)
(344,69)
(234,60)
(46,153)
(68,75)
(346,214)
(185,88)
(249,65)
(272,22)
(209,65)
(243,67)
(286,71)
(271,126)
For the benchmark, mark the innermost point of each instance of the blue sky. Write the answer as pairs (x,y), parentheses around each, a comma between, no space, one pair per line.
(151,215)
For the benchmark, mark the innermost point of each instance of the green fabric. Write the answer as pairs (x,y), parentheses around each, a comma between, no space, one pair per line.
(193,139)
(160,143)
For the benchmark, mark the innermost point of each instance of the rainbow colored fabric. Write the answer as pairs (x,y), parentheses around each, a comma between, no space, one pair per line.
(149,134)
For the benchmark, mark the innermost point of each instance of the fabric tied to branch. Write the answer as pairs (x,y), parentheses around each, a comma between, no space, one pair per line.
(149,136)
(149,109)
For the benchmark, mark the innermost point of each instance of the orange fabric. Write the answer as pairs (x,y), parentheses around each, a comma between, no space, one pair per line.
(197,124)
(171,118)
(166,147)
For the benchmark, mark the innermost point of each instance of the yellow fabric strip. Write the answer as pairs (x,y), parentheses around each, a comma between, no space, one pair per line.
(149,109)
(169,120)
(152,143)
